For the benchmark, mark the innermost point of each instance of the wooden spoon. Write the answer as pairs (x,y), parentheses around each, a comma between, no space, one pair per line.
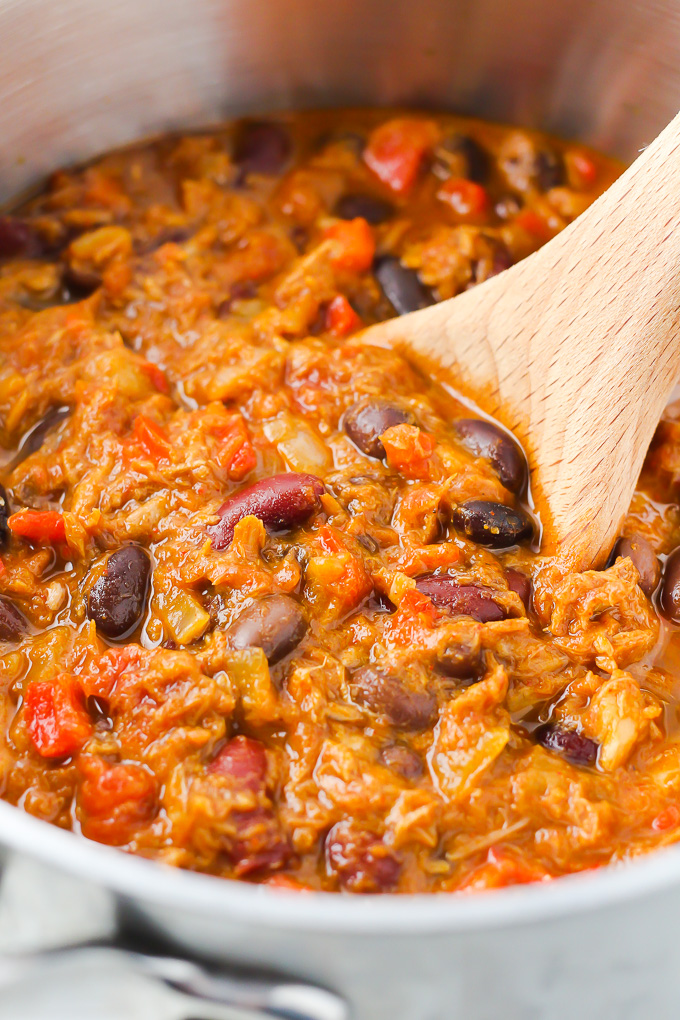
(576,349)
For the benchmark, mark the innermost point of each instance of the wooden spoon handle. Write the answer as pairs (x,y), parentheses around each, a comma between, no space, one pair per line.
(576,349)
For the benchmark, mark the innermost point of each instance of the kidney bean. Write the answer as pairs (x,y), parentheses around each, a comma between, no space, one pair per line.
(573,746)
(402,760)
(472,160)
(370,208)
(4,516)
(242,759)
(262,147)
(13,623)
(669,596)
(519,583)
(385,694)
(401,286)
(362,862)
(638,549)
(462,599)
(117,600)
(281,502)
(367,420)
(488,440)
(462,661)
(492,524)
(18,239)
(35,437)
(275,624)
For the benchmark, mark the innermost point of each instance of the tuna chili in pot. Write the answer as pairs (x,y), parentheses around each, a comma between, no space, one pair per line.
(272,605)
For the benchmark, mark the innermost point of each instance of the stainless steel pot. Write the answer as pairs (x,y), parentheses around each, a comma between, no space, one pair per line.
(77,77)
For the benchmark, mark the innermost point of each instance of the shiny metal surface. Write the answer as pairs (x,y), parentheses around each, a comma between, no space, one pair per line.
(79,76)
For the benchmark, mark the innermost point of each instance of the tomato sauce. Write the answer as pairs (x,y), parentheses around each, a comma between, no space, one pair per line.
(272,604)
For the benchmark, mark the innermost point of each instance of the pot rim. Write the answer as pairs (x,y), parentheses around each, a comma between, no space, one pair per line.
(191,892)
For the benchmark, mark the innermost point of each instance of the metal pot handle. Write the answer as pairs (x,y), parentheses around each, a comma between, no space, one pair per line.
(208,992)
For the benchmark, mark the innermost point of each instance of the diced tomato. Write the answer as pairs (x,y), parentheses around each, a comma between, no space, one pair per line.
(336,574)
(408,451)
(396,150)
(235,452)
(341,318)
(286,882)
(56,719)
(157,376)
(152,438)
(466,198)
(413,620)
(3,568)
(38,525)
(534,224)
(114,801)
(501,869)
(581,169)
(354,244)
(669,818)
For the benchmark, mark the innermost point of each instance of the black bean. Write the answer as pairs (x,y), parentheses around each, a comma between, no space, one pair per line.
(462,599)
(492,524)
(569,744)
(386,694)
(281,502)
(4,516)
(472,161)
(117,600)
(548,169)
(18,239)
(490,441)
(366,421)
(13,623)
(35,437)
(402,760)
(368,207)
(521,584)
(401,286)
(669,596)
(275,624)
(360,860)
(638,549)
(262,147)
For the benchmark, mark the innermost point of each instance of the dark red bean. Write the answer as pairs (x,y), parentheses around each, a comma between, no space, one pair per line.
(388,695)
(18,239)
(281,502)
(4,516)
(367,420)
(492,524)
(35,437)
(462,661)
(401,286)
(638,549)
(462,599)
(262,147)
(275,624)
(488,440)
(521,584)
(669,596)
(242,759)
(117,600)
(402,760)
(368,207)
(360,860)
(471,159)
(548,169)
(569,744)
(13,623)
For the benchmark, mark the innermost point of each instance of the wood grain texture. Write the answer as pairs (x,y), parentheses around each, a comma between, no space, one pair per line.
(576,349)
